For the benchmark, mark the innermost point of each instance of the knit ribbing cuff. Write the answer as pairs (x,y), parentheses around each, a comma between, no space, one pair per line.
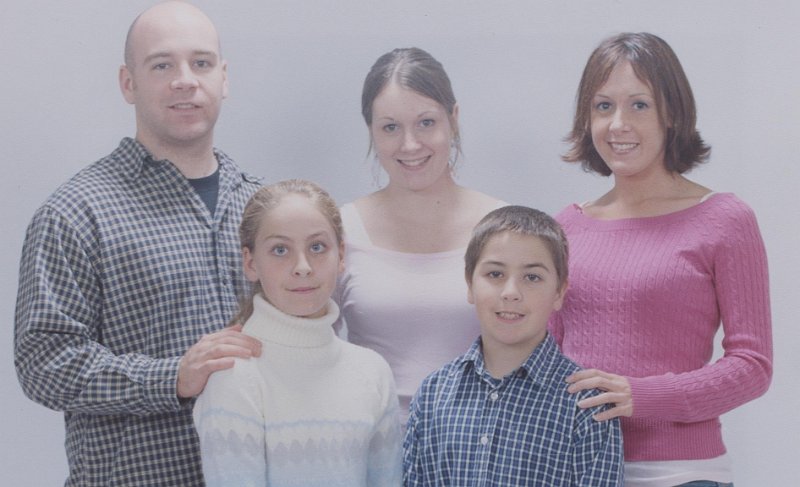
(658,397)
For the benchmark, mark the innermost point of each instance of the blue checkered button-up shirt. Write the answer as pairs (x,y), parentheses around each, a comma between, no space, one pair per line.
(467,428)
(123,269)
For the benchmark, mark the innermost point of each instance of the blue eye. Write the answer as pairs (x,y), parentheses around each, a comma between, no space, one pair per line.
(603,106)
(318,247)
(202,63)
(427,123)
(391,127)
(279,250)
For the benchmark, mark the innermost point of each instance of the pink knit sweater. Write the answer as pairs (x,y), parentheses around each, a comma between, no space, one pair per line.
(647,295)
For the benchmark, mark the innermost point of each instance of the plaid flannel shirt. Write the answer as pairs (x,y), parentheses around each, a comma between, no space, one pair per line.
(467,428)
(123,269)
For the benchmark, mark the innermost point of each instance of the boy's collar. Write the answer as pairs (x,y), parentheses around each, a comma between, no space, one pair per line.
(537,366)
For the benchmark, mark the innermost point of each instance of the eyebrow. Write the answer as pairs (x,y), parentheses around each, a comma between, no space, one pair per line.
(526,266)
(426,113)
(165,54)
(284,237)
(629,96)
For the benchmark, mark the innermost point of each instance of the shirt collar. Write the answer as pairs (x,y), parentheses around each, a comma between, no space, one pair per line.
(538,366)
(132,157)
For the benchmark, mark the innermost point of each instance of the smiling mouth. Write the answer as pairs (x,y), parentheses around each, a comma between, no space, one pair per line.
(184,106)
(412,163)
(509,316)
(620,147)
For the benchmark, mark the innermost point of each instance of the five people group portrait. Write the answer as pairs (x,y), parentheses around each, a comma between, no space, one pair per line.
(200,325)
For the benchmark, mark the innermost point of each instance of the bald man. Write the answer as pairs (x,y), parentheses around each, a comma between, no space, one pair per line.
(131,270)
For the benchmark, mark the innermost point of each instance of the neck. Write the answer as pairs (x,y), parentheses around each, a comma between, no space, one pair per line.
(196,160)
(502,360)
(272,325)
(633,192)
(430,202)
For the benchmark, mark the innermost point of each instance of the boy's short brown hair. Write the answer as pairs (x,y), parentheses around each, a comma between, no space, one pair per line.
(522,221)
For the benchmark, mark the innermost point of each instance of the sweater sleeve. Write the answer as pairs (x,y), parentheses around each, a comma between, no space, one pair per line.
(384,465)
(229,421)
(744,372)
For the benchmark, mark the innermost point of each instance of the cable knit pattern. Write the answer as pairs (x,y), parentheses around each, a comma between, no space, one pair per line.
(646,298)
(312,410)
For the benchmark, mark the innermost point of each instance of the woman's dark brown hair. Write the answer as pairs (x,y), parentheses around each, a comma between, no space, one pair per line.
(656,64)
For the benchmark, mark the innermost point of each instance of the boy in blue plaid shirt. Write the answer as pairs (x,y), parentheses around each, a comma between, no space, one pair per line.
(500,414)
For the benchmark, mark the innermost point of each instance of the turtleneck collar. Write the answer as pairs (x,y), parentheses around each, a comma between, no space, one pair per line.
(269,324)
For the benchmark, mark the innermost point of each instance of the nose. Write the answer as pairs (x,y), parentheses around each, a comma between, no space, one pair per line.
(619,121)
(302,268)
(511,291)
(410,141)
(184,78)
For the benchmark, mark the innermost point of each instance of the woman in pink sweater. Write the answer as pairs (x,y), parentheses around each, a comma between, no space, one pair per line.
(656,265)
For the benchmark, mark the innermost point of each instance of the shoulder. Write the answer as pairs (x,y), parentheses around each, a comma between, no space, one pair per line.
(228,164)
(556,366)
(238,378)
(367,361)
(438,379)
(84,194)
(562,367)
(370,370)
(349,212)
(101,175)
(568,214)
(479,204)
(728,207)
(725,219)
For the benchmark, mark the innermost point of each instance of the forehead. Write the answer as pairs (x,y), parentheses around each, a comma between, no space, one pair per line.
(295,214)
(172,30)
(513,248)
(394,100)
(624,77)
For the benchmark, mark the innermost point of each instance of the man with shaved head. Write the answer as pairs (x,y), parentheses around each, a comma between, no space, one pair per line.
(131,270)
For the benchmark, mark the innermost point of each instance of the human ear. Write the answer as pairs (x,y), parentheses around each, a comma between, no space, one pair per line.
(454,121)
(224,79)
(341,258)
(249,265)
(560,296)
(126,83)
(470,296)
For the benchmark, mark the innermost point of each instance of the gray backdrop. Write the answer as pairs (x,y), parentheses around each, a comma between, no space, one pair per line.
(296,70)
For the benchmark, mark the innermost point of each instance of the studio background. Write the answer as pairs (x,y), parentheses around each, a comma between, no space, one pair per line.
(296,70)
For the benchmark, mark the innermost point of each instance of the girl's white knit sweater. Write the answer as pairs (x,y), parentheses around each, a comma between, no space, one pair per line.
(312,410)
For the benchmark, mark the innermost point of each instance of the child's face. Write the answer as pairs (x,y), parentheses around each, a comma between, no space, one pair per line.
(514,289)
(296,257)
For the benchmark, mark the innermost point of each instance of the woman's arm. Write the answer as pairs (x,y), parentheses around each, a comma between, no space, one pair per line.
(741,286)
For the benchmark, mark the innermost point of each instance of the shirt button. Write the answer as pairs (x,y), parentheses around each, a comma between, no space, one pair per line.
(484,440)
(493,396)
